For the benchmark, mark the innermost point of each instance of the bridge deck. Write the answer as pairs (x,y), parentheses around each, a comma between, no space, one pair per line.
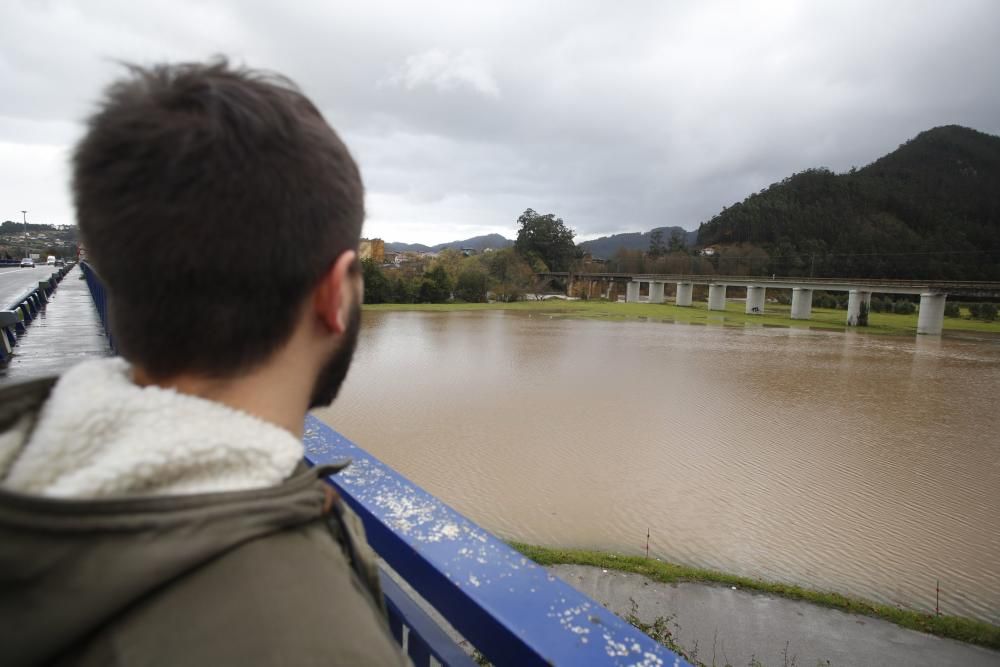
(66,331)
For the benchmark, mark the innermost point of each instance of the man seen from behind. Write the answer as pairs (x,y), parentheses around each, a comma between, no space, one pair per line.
(154,507)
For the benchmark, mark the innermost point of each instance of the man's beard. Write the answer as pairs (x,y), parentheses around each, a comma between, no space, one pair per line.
(333,373)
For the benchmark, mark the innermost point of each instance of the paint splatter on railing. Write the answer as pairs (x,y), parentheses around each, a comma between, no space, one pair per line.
(512,610)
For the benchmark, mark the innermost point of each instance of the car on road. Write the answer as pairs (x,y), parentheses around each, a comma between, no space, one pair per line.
(28,262)
(60,262)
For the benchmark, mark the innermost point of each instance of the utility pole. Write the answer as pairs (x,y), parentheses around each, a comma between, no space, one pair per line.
(24,218)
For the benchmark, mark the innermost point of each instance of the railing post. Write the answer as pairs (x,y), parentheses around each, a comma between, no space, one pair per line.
(8,319)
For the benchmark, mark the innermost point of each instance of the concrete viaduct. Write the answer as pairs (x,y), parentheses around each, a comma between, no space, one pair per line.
(930,319)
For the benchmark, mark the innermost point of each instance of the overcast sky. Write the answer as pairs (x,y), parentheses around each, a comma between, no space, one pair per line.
(616,116)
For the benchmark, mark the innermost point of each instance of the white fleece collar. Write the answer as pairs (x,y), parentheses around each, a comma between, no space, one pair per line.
(99,435)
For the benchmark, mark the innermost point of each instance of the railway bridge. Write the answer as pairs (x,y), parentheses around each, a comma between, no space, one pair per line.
(932,293)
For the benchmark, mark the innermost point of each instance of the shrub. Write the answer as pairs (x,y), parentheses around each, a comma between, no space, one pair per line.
(952,310)
(471,286)
(510,296)
(824,300)
(904,308)
(404,291)
(981,311)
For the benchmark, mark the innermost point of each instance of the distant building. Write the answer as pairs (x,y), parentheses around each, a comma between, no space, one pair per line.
(409,257)
(591,263)
(373,249)
(468,252)
(707,252)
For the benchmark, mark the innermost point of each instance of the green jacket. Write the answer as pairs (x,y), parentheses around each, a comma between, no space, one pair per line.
(262,577)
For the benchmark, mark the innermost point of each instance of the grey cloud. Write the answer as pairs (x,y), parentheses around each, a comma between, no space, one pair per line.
(617,118)
(445,71)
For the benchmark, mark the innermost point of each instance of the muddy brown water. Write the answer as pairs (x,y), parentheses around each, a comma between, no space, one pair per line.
(863,464)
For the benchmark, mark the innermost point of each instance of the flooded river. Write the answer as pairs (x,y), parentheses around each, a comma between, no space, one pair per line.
(851,462)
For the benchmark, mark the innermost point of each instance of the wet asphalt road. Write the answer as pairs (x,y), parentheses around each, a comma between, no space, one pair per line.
(15,282)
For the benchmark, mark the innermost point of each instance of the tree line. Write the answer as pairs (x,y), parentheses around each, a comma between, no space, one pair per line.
(544,243)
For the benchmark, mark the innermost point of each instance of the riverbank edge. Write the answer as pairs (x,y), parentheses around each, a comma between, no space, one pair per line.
(952,627)
(890,324)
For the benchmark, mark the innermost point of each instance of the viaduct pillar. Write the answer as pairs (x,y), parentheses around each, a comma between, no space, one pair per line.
(684,292)
(930,320)
(854,300)
(755,300)
(655,292)
(802,303)
(632,292)
(716,297)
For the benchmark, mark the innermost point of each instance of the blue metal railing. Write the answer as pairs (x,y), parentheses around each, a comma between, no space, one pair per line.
(100,296)
(512,610)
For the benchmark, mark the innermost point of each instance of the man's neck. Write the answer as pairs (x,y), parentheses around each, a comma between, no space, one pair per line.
(264,393)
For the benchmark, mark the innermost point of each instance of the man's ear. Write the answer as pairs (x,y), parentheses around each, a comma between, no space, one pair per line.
(334,296)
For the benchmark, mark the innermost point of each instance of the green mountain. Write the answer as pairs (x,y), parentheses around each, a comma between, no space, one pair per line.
(928,210)
(605,247)
(495,241)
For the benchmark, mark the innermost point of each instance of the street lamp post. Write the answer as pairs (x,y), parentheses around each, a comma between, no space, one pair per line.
(24,217)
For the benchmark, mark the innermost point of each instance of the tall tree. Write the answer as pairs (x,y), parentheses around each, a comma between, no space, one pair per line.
(510,276)
(545,238)
(656,246)
(377,288)
(435,286)
(471,285)
(452,261)
(677,242)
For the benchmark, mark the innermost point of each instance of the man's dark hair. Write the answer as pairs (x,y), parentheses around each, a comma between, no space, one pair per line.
(211,199)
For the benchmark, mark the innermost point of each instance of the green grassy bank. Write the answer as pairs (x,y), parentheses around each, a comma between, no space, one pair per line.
(734,315)
(953,627)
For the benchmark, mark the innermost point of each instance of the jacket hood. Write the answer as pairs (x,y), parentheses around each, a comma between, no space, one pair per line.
(69,566)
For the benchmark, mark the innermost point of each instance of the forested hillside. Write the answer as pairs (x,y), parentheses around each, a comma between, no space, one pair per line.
(494,241)
(928,210)
(606,246)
